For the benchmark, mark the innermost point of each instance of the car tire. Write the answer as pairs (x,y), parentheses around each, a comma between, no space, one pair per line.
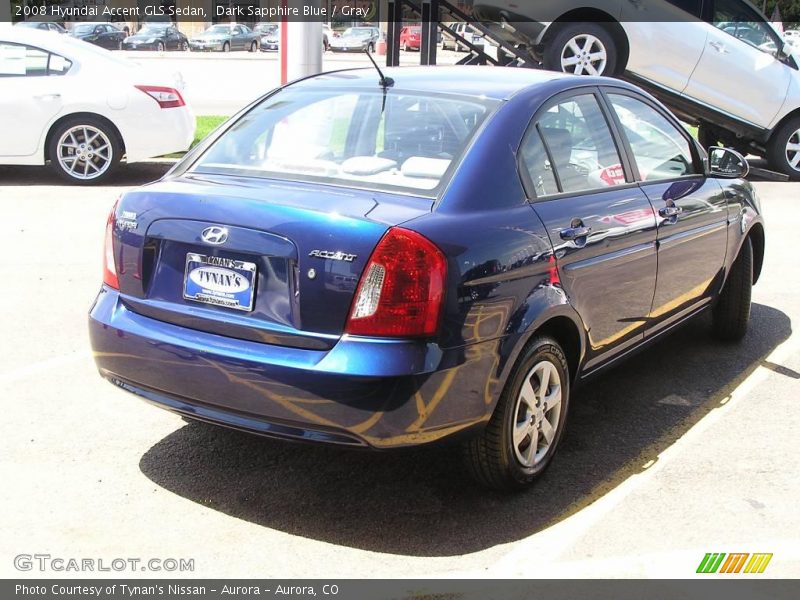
(371,48)
(253,46)
(559,52)
(499,457)
(226,47)
(184,46)
(103,151)
(160,47)
(731,313)
(783,149)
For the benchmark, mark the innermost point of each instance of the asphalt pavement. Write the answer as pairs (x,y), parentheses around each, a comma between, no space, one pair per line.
(688,448)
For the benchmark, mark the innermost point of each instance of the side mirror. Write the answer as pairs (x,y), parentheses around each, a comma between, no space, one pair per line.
(727,163)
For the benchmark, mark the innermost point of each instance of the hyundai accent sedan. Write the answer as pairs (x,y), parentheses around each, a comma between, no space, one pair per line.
(372,261)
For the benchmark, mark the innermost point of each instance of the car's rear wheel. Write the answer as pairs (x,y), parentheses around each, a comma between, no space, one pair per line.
(160,47)
(783,149)
(84,150)
(371,48)
(731,314)
(522,436)
(581,49)
(185,46)
(253,46)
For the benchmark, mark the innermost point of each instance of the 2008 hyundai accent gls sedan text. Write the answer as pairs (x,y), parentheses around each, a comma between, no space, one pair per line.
(374,261)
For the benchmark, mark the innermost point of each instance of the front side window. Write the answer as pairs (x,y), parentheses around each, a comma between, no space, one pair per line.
(660,150)
(739,20)
(579,148)
(357,138)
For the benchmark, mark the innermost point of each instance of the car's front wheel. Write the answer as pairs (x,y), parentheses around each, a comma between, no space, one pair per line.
(731,314)
(185,46)
(160,47)
(84,150)
(226,47)
(522,436)
(783,149)
(581,49)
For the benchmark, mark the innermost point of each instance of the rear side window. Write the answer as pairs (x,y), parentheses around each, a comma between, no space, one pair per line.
(660,150)
(357,138)
(571,143)
(17,60)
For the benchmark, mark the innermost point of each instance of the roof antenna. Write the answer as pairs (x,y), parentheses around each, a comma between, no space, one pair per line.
(385,82)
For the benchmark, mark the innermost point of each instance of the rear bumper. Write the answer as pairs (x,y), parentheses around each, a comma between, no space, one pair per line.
(361,392)
(175,127)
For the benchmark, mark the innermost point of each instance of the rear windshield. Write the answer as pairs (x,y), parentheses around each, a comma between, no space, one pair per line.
(400,141)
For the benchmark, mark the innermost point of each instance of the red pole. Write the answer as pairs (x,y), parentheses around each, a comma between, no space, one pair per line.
(284,45)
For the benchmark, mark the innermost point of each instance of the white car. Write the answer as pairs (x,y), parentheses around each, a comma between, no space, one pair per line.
(81,109)
(724,68)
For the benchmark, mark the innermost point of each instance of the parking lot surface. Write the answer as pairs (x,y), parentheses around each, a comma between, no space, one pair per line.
(688,448)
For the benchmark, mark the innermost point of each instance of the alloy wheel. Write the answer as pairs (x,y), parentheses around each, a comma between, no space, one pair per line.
(84,152)
(537,413)
(793,150)
(584,54)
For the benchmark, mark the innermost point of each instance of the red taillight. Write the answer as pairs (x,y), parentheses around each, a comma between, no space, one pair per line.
(166,97)
(401,291)
(109,262)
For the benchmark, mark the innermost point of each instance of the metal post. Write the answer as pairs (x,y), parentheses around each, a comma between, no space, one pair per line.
(394,25)
(430,32)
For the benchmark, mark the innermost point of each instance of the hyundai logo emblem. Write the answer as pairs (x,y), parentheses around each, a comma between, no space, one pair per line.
(215,235)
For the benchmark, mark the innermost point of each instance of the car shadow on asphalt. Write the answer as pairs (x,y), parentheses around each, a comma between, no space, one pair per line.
(127,175)
(421,503)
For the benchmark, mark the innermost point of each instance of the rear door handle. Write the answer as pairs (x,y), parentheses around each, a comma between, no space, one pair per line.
(573,233)
(47,97)
(719,47)
(669,211)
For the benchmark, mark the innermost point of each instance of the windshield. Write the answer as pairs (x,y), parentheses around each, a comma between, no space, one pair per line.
(83,29)
(348,138)
(357,32)
(219,29)
(153,30)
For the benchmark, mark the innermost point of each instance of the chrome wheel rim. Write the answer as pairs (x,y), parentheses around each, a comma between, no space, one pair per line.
(793,150)
(84,152)
(584,55)
(536,414)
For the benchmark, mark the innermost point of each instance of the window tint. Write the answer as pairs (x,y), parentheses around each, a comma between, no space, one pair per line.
(661,151)
(735,18)
(361,138)
(537,163)
(18,60)
(580,145)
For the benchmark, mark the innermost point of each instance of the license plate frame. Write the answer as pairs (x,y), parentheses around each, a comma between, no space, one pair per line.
(209,286)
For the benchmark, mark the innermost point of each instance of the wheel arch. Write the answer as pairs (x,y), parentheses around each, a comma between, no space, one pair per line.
(549,314)
(794,114)
(64,118)
(598,17)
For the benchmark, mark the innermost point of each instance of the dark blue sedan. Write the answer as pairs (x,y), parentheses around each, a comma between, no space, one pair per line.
(441,254)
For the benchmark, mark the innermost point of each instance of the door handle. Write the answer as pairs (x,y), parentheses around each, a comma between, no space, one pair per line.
(669,211)
(47,97)
(719,47)
(574,233)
